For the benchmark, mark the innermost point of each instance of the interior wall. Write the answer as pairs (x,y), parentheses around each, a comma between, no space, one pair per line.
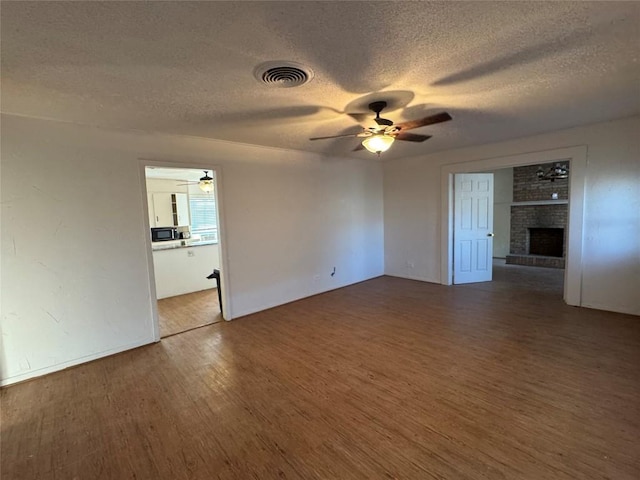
(611,251)
(75,279)
(160,185)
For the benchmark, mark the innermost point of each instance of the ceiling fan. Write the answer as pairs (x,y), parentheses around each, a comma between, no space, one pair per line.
(205,183)
(378,139)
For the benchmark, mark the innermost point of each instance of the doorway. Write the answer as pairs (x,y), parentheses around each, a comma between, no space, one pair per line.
(184,246)
(577,157)
(530,215)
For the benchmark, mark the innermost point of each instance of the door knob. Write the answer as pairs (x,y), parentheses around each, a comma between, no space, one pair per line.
(491,234)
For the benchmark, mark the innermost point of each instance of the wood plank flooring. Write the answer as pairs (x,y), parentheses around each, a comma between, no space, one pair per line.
(186,312)
(386,379)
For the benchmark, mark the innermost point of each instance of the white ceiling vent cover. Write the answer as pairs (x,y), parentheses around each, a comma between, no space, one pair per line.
(283,74)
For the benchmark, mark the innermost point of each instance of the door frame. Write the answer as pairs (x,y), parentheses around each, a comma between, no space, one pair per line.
(225,308)
(577,155)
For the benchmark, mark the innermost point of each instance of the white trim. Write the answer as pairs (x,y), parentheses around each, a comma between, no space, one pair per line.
(224,271)
(540,202)
(577,187)
(410,277)
(71,363)
(226,307)
(269,305)
(151,286)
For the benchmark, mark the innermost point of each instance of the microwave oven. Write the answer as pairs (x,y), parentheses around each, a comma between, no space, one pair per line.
(163,234)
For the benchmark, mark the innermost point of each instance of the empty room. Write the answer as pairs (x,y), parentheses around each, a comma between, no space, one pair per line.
(320,240)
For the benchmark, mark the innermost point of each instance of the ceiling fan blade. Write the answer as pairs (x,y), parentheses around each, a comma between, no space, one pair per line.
(359,147)
(360,117)
(423,122)
(337,136)
(383,121)
(412,137)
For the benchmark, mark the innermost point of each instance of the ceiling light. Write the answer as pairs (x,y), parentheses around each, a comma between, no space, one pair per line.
(378,143)
(206,183)
(206,186)
(555,172)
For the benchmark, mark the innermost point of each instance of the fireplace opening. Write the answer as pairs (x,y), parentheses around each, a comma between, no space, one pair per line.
(546,241)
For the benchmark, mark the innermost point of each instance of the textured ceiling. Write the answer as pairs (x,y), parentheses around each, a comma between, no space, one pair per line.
(502,70)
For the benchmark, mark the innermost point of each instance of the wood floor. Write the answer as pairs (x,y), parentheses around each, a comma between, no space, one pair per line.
(386,379)
(185,312)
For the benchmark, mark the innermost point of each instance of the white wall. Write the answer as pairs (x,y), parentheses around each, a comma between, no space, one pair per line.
(611,233)
(502,199)
(159,185)
(75,280)
(184,270)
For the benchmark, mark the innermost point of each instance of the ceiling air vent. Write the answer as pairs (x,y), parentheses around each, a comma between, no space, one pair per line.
(283,74)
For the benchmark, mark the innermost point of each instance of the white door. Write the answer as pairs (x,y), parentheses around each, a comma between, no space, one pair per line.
(473,227)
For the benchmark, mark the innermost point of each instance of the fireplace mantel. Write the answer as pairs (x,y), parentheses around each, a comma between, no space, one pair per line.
(540,202)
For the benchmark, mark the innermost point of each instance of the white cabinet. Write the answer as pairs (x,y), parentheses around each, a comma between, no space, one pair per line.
(170,209)
(181,209)
(163,209)
(150,210)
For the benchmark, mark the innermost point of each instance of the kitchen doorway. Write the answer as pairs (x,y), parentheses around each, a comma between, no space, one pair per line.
(183,225)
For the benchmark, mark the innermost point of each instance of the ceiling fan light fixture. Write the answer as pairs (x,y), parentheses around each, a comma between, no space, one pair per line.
(206,183)
(378,143)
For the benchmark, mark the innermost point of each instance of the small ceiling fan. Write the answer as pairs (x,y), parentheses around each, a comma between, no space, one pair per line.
(378,139)
(205,183)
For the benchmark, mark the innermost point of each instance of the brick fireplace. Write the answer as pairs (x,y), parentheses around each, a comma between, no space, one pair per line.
(538,220)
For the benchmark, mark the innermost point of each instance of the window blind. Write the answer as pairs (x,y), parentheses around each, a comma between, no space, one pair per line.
(204,221)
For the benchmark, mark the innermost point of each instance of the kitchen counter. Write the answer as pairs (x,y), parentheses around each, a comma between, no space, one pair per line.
(180,269)
(173,244)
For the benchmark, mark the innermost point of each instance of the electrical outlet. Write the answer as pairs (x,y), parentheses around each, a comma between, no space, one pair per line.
(190,253)
(316,277)
(410,264)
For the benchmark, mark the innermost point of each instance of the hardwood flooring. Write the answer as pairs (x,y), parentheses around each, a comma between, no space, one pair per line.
(517,279)
(386,379)
(186,312)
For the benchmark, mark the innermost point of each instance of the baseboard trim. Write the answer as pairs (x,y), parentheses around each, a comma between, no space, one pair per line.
(31,374)
(412,277)
(262,308)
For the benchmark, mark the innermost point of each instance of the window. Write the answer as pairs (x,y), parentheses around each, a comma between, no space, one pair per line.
(204,221)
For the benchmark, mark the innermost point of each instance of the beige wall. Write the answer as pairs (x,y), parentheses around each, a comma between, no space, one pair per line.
(611,249)
(75,272)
